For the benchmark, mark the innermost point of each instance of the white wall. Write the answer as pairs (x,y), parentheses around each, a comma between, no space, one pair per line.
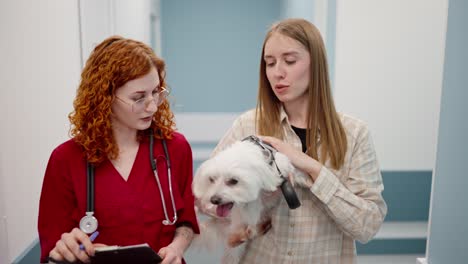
(3,226)
(298,8)
(41,65)
(314,11)
(389,66)
(104,18)
(132,19)
(39,74)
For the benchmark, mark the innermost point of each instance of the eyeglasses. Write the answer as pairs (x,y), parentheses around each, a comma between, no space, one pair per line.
(141,104)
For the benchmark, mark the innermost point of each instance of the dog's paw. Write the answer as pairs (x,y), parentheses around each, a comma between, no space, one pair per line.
(264,227)
(236,239)
(240,236)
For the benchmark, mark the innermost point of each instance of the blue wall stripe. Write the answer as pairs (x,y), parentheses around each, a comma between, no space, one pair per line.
(393,246)
(407,194)
(30,255)
(196,145)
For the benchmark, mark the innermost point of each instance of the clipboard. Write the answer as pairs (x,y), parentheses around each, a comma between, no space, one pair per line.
(141,253)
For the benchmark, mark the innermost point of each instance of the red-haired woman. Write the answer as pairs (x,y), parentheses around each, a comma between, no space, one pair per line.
(125,172)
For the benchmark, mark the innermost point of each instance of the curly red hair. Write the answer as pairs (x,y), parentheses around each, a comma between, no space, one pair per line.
(113,62)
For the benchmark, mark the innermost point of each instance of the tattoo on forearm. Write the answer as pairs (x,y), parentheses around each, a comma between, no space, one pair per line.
(185,232)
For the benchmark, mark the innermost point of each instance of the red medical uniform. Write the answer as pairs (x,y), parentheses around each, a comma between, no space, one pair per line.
(128,212)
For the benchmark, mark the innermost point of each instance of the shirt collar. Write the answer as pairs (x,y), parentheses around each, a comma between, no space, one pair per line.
(283,114)
(284,118)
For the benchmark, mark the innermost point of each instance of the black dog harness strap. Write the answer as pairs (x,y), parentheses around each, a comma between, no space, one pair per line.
(286,187)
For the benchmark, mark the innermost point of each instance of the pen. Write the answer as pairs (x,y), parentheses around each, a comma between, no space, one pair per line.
(91,237)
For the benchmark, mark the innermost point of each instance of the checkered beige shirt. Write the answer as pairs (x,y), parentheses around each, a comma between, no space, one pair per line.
(342,205)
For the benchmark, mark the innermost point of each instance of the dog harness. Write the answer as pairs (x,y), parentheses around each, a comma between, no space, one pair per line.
(286,187)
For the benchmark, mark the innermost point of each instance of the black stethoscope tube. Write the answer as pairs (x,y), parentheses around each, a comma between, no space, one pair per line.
(90,187)
(166,153)
(88,223)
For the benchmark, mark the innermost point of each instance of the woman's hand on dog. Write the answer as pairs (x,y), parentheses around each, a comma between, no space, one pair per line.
(299,159)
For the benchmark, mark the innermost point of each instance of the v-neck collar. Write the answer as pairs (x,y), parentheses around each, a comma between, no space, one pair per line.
(132,170)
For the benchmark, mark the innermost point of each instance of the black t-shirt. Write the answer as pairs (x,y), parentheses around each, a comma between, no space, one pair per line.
(301,133)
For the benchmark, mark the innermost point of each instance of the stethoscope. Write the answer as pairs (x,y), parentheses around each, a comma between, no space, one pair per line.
(89,222)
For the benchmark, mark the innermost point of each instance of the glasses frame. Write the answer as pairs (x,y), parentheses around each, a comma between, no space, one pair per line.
(157,98)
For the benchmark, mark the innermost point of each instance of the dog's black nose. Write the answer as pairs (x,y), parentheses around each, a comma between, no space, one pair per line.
(215,199)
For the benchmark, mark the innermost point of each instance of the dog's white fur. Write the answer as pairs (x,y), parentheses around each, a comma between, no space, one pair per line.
(237,175)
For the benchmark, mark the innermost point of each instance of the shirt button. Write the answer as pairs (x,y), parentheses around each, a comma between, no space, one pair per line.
(289,253)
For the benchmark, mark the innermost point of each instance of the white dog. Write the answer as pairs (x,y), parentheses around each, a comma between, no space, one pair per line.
(228,188)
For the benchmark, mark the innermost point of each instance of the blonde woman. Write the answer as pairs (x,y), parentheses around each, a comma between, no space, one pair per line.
(295,113)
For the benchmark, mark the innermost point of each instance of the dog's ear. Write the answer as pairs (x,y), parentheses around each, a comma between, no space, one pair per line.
(197,183)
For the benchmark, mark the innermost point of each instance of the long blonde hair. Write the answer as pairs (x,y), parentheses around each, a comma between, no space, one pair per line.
(322,117)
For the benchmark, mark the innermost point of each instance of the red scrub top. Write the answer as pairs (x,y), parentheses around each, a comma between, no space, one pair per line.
(128,212)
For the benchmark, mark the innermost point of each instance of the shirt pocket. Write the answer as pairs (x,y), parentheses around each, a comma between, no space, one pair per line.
(115,224)
(153,209)
(156,232)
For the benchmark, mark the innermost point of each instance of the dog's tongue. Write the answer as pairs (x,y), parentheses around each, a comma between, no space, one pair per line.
(224,209)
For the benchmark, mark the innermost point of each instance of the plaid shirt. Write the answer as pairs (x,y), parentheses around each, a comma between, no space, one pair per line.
(341,206)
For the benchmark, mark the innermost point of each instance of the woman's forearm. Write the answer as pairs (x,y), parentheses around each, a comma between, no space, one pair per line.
(182,239)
